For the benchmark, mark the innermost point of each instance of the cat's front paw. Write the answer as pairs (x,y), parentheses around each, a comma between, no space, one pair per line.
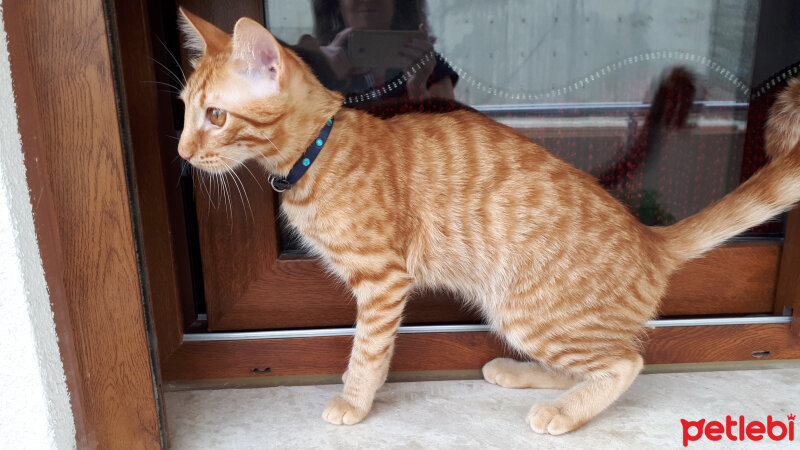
(340,411)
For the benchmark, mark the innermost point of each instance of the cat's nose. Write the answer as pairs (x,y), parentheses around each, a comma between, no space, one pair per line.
(185,154)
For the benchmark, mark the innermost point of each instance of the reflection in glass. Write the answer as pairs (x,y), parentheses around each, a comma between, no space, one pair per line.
(651,97)
(380,49)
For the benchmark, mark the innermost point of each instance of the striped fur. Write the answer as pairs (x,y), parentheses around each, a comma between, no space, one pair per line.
(460,202)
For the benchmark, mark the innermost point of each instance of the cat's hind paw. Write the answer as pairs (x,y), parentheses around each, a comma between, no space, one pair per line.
(545,418)
(500,371)
(341,412)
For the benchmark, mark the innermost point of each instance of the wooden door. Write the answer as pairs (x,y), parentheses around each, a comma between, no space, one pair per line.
(251,283)
(252,303)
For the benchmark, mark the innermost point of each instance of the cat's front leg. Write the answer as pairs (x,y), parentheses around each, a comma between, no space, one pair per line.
(381,296)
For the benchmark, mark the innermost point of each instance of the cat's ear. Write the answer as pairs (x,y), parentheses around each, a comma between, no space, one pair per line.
(257,53)
(201,36)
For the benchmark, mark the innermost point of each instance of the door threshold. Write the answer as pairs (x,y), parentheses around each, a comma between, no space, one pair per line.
(414,329)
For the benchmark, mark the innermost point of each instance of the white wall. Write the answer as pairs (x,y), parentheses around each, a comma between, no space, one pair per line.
(35,412)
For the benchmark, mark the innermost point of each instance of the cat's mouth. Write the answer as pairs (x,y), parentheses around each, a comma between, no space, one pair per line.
(213,164)
(213,168)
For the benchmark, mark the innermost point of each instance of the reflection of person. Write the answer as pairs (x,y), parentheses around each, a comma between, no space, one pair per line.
(669,110)
(327,54)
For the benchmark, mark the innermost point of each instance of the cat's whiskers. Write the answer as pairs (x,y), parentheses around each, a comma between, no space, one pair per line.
(215,187)
(237,182)
(225,193)
(183,164)
(174,59)
(209,187)
(242,164)
(172,88)
(201,181)
(273,144)
(228,195)
(175,77)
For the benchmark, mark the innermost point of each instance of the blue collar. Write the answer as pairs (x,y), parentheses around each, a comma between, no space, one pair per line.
(301,166)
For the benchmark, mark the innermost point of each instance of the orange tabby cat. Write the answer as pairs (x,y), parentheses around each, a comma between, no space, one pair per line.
(557,266)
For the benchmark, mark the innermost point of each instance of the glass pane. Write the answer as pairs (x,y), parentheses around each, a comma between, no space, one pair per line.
(654,98)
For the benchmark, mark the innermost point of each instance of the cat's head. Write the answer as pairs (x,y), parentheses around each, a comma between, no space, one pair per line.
(248,97)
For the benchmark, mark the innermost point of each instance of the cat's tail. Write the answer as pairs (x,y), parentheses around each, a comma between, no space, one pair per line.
(772,190)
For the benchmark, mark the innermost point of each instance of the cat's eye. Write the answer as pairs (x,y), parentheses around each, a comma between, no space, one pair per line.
(217,116)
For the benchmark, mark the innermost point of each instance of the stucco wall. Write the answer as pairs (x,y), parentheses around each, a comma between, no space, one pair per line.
(35,412)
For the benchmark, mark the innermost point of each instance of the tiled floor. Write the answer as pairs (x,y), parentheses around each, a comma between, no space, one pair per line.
(474,414)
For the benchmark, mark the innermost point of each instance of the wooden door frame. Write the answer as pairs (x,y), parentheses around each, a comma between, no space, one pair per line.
(46,40)
(85,220)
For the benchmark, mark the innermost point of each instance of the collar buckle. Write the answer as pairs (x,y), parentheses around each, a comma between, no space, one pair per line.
(279,184)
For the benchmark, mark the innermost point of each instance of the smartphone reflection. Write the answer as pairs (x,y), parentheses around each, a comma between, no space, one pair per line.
(361,46)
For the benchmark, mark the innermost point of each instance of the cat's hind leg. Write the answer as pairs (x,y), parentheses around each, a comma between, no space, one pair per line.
(584,401)
(510,373)
(595,379)
(593,341)
(599,352)
(586,324)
